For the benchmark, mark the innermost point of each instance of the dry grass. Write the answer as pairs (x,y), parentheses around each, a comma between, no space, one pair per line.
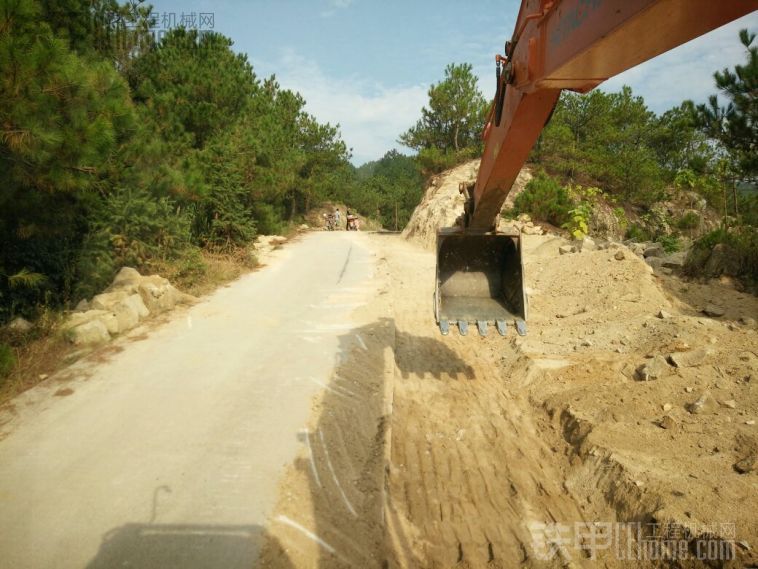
(38,353)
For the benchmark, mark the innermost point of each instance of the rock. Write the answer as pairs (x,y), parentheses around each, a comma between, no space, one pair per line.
(750,423)
(730,403)
(20,325)
(713,310)
(106,317)
(691,358)
(689,389)
(654,250)
(82,306)
(656,368)
(303,227)
(674,260)
(564,249)
(619,256)
(128,308)
(158,294)
(667,422)
(126,275)
(587,343)
(93,332)
(42,376)
(723,260)
(705,404)
(662,314)
(745,465)
(637,248)
(656,263)
(667,407)
(532,230)
(748,322)
(588,244)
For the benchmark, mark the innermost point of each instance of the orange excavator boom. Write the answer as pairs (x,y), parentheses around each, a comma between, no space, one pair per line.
(575,45)
(556,45)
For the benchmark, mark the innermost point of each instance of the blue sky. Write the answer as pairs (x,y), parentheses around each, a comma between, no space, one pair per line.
(367,64)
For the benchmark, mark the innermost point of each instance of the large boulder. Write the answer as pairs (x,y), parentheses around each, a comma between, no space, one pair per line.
(127,307)
(126,276)
(722,261)
(92,332)
(106,317)
(20,325)
(130,298)
(674,260)
(654,250)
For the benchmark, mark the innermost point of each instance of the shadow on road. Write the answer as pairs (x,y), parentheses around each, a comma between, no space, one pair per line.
(336,513)
(183,546)
(338,490)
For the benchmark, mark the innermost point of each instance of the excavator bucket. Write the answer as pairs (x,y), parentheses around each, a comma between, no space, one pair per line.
(480,280)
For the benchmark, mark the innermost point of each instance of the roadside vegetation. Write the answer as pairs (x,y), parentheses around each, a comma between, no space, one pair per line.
(169,156)
(607,164)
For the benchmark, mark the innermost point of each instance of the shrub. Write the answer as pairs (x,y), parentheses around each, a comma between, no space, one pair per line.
(670,243)
(267,219)
(689,220)
(433,160)
(741,248)
(636,232)
(130,229)
(544,199)
(7,360)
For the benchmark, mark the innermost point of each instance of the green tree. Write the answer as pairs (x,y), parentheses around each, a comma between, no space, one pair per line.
(62,117)
(604,139)
(455,116)
(735,125)
(194,84)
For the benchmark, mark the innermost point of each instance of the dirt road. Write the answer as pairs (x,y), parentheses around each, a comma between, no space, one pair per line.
(169,452)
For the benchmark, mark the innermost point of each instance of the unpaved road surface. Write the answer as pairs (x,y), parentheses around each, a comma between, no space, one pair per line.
(168,454)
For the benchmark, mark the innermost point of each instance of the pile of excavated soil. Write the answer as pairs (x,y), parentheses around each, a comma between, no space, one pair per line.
(443,203)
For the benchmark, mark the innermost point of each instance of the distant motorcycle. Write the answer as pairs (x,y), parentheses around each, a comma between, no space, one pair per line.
(352,222)
(331,223)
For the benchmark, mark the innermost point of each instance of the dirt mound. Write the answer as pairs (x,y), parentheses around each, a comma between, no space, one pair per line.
(442,202)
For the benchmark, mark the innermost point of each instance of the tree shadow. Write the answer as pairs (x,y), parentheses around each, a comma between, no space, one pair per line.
(183,546)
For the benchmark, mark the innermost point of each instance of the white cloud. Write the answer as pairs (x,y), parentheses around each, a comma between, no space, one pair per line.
(371,115)
(683,73)
(687,71)
(335,5)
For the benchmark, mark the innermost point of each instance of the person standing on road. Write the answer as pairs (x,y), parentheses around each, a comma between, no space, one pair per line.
(337,217)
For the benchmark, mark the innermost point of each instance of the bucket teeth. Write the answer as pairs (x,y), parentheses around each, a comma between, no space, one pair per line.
(501,327)
(444,327)
(463,327)
(521,327)
(482,326)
